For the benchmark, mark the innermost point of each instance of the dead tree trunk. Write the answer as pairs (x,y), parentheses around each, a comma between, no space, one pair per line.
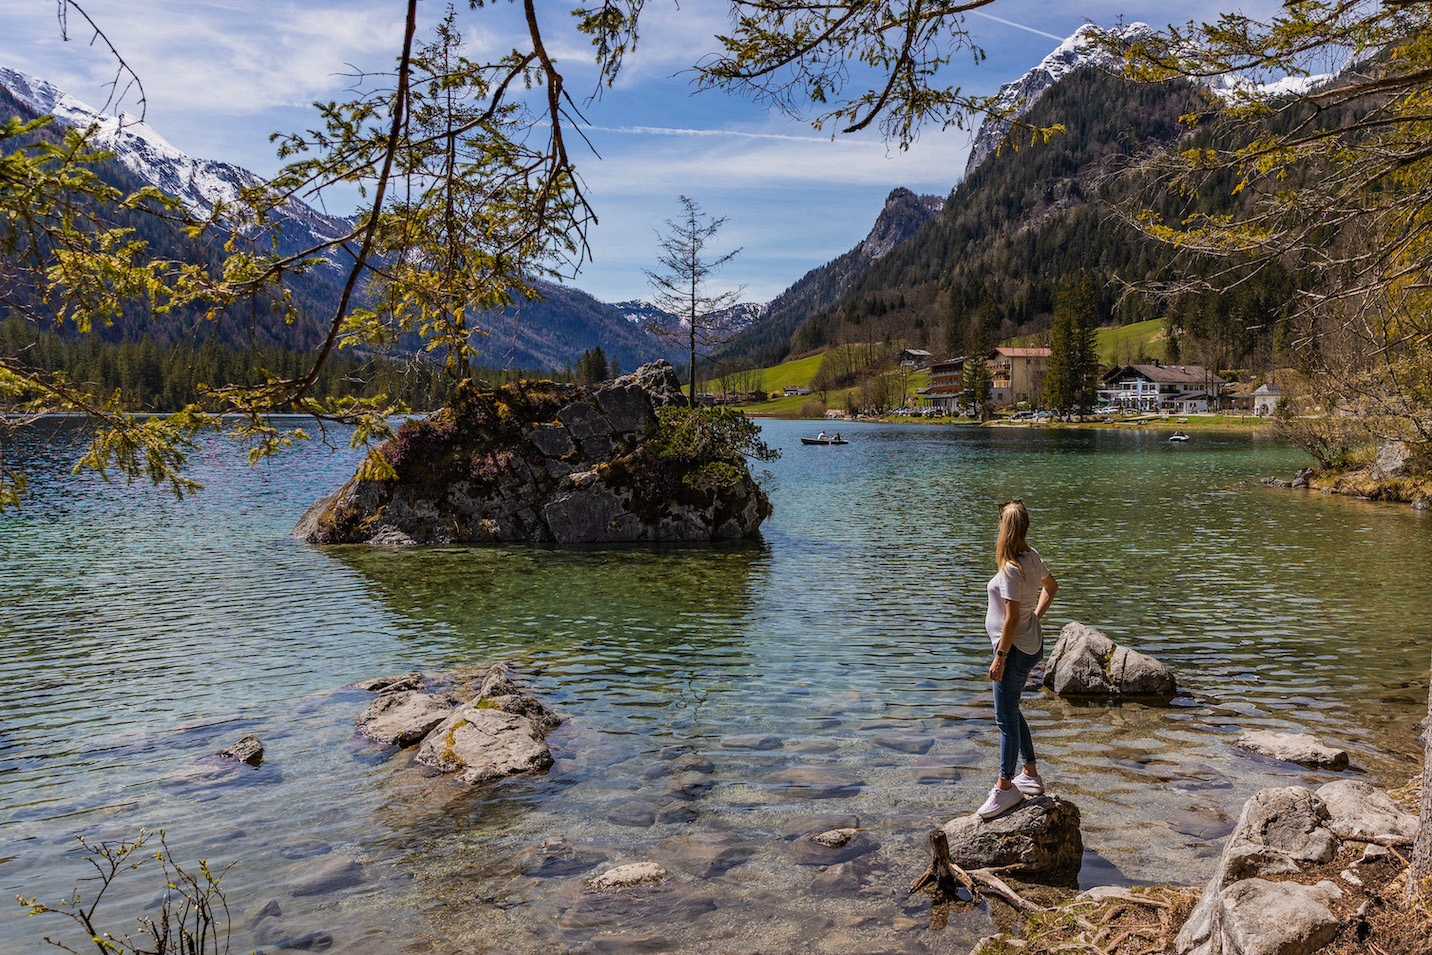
(943,877)
(1420,871)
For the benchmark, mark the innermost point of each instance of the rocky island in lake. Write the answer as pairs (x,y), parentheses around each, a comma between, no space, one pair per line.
(543,462)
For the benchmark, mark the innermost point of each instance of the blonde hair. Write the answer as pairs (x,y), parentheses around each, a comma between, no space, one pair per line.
(1013,526)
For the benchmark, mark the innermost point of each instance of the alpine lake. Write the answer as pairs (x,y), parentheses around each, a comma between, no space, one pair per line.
(719,701)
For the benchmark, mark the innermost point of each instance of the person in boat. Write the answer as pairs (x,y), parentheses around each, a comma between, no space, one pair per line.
(837,436)
(1019,593)
(821,436)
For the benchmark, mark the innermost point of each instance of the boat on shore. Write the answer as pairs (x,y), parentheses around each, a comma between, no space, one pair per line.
(824,441)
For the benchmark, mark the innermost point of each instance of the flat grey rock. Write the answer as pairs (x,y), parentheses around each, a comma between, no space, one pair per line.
(247,750)
(635,814)
(816,782)
(584,421)
(552,440)
(1298,748)
(708,854)
(391,684)
(759,741)
(557,858)
(903,743)
(626,407)
(404,717)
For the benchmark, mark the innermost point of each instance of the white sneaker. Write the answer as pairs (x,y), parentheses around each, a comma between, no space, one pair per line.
(1000,800)
(1029,785)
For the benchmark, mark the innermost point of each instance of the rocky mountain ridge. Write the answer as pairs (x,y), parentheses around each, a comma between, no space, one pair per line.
(900,218)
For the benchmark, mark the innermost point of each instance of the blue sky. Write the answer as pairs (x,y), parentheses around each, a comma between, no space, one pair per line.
(222,75)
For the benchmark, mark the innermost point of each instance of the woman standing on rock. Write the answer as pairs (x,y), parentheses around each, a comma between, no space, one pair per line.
(1020,593)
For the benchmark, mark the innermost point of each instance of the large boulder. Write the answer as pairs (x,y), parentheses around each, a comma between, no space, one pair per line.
(537,461)
(1278,830)
(1360,810)
(1085,662)
(1039,840)
(1278,918)
(1298,748)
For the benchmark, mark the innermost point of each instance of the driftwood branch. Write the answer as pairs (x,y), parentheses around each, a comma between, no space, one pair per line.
(997,886)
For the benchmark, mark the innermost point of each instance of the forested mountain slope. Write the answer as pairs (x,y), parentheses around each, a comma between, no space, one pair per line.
(1031,220)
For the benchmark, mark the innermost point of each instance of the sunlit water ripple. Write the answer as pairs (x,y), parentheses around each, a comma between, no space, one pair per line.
(731,694)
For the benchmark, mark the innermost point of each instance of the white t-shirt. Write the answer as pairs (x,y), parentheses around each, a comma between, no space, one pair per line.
(1017,581)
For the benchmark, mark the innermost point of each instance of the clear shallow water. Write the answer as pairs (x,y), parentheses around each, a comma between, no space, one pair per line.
(732,694)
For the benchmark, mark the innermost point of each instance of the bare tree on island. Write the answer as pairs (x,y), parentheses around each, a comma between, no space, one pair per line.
(698,318)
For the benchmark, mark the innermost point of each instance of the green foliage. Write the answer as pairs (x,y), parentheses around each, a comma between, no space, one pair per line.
(192,917)
(707,445)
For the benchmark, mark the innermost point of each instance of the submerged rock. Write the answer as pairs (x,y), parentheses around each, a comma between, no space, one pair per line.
(1293,748)
(1085,662)
(1038,840)
(536,461)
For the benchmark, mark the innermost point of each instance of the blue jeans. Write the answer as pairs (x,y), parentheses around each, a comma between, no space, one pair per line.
(1014,740)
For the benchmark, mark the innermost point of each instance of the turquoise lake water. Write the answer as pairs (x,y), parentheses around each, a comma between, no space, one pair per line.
(724,699)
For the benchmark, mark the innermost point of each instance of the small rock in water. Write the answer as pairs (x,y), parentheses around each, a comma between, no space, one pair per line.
(1298,748)
(816,782)
(557,858)
(624,876)
(757,741)
(834,838)
(247,750)
(392,684)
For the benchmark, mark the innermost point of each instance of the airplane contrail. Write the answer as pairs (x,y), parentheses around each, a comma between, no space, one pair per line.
(678,131)
(1019,26)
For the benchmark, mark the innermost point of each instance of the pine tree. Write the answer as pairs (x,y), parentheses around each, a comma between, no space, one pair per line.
(1073,358)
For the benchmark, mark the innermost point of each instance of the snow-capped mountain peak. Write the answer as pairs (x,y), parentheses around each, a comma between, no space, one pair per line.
(1087,46)
(198,184)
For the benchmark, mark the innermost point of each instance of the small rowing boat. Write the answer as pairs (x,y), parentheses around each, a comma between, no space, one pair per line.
(1178,436)
(824,441)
